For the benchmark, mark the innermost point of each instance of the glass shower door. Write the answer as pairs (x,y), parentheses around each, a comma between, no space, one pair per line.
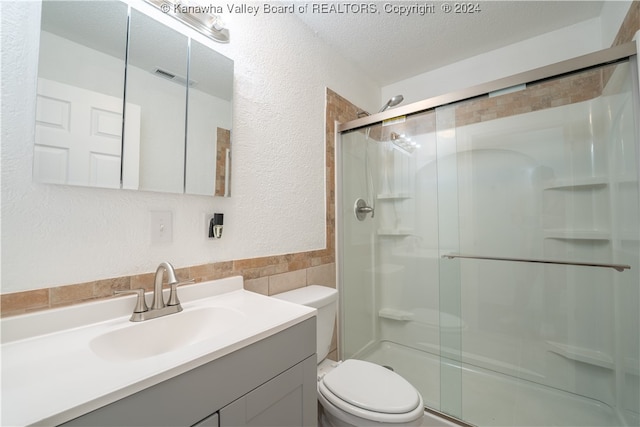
(450,285)
(390,302)
(356,247)
(547,172)
(490,251)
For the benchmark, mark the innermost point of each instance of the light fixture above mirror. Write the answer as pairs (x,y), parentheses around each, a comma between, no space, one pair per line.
(203,18)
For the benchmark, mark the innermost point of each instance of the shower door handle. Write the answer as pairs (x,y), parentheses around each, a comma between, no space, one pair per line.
(617,267)
(361,209)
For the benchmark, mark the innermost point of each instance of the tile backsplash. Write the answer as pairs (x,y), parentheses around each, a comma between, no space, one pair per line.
(268,276)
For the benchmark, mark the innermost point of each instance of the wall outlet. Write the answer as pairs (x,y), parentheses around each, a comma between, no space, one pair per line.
(161,227)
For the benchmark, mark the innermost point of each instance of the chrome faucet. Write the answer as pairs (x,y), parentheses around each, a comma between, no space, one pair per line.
(158,308)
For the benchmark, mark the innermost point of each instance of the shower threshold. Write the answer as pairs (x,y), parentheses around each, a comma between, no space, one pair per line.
(489,398)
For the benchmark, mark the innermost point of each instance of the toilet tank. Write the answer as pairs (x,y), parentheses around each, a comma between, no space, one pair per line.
(324,299)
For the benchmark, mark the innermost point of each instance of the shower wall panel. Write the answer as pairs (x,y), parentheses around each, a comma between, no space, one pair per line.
(552,184)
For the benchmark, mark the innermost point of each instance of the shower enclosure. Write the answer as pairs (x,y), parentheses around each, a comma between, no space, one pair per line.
(498,267)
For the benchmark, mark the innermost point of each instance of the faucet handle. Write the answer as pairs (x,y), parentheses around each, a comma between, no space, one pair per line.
(173,295)
(141,303)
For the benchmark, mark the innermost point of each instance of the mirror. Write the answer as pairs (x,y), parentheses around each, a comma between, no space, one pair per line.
(80,136)
(157,83)
(209,122)
(79,97)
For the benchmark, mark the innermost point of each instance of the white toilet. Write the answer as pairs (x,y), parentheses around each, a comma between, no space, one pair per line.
(355,392)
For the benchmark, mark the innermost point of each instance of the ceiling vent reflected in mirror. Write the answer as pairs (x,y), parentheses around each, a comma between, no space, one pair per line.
(204,18)
(173,77)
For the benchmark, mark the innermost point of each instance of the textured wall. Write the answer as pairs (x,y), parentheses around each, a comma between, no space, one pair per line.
(266,275)
(60,235)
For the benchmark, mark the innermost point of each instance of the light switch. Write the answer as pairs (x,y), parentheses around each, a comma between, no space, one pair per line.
(161,227)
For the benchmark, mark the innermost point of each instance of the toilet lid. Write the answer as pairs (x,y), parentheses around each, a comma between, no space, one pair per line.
(371,387)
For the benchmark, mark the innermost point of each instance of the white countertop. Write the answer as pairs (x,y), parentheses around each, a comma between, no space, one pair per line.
(50,374)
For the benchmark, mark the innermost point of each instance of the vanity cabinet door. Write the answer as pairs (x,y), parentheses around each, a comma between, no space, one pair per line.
(289,399)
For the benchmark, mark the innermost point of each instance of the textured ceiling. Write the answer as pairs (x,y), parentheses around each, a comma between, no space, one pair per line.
(391,47)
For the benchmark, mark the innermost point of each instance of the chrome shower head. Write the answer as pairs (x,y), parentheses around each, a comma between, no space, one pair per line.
(392,102)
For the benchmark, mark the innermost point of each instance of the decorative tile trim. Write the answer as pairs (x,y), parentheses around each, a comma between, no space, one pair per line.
(251,269)
(223,143)
(630,25)
(536,96)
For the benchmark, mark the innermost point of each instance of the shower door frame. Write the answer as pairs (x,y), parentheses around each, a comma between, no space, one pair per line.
(596,59)
(558,69)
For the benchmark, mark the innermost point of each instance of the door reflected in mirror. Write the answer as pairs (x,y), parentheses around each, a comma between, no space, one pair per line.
(78,135)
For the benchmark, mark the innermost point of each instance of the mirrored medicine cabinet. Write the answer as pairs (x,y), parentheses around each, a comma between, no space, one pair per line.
(124,101)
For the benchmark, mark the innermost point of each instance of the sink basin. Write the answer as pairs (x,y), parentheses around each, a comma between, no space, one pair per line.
(100,357)
(164,334)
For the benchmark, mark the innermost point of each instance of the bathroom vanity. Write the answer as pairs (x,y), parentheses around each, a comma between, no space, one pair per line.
(252,363)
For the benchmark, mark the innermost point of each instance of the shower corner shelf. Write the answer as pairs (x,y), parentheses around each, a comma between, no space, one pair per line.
(575,183)
(591,181)
(394,314)
(579,354)
(394,196)
(567,234)
(399,232)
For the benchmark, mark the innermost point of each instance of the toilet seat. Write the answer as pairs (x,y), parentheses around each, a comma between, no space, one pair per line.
(371,392)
